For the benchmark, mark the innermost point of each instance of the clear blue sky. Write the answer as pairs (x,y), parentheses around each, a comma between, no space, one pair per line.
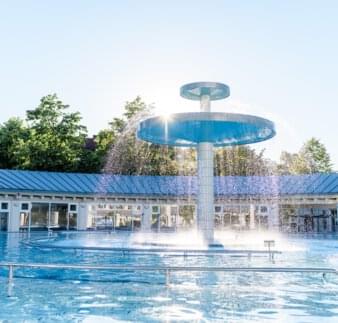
(278,57)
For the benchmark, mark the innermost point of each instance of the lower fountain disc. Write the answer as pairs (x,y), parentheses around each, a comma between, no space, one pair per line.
(190,129)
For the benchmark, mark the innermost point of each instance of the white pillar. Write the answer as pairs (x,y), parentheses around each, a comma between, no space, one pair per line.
(195,216)
(252,217)
(14,216)
(168,215)
(205,199)
(336,220)
(146,217)
(329,223)
(273,217)
(241,218)
(82,217)
(315,224)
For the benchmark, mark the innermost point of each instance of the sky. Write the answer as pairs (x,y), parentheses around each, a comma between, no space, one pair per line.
(278,57)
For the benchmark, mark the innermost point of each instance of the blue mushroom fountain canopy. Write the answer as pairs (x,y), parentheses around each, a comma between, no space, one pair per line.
(215,91)
(190,129)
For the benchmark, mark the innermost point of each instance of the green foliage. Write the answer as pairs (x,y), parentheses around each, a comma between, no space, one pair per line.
(134,107)
(13,135)
(56,136)
(49,139)
(241,161)
(127,155)
(312,158)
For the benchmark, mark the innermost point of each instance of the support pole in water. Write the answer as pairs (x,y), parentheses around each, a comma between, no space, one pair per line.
(167,278)
(10,280)
(205,175)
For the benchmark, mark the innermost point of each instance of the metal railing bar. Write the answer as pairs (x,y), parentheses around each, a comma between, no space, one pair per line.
(166,269)
(171,268)
(157,250)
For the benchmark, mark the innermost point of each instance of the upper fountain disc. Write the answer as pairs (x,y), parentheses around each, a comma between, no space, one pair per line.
(190,129)
(194,91)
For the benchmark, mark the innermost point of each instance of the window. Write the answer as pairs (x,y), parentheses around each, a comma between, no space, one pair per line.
(58,215)
(72,207)
(174,210)
(264,209)
(39,215)
(4,206)
(218,209)
(24,206)
(24,219)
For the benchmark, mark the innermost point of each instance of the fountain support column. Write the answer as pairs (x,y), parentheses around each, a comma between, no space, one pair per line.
(205,178)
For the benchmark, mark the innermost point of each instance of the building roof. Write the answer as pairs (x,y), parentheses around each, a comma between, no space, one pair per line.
(225,186)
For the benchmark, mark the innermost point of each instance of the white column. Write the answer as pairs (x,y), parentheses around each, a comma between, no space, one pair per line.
(252,217)
(82,216)
(315,224)
(205,201)
(92,209)
(195,216)
(329,223)
(146,217)
(273,216)
(14,216)
(168,215)
(335,220)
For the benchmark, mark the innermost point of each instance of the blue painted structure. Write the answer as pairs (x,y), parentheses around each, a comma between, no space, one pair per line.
(221,129)
(176,186)
(214,90)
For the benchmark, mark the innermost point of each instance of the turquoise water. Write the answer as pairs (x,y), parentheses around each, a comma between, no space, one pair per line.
(93,296)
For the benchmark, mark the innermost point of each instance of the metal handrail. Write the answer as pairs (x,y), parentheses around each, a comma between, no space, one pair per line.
(166,269)
(156,250)
(174,268)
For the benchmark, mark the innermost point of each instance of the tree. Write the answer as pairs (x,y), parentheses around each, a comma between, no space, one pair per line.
(127,155)
(242,161)
(315,157)
(289,163)
(13,135)
(312,158)
(56,137)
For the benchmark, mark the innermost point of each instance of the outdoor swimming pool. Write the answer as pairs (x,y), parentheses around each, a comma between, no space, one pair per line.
(62,295)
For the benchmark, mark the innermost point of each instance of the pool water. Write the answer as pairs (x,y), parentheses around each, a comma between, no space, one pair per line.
(105,296)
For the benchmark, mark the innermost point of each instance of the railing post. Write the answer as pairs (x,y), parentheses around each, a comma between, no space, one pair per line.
(269,244)
(167,277)
(10,280)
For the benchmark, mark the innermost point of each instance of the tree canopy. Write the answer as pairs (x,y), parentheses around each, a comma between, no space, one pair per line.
(50,138)
(311,158)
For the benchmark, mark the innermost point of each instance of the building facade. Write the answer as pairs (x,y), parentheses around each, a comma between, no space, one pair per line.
(32,200)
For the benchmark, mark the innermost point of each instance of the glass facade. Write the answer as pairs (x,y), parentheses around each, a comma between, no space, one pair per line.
(43,216)
(39,215)
(58,216)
